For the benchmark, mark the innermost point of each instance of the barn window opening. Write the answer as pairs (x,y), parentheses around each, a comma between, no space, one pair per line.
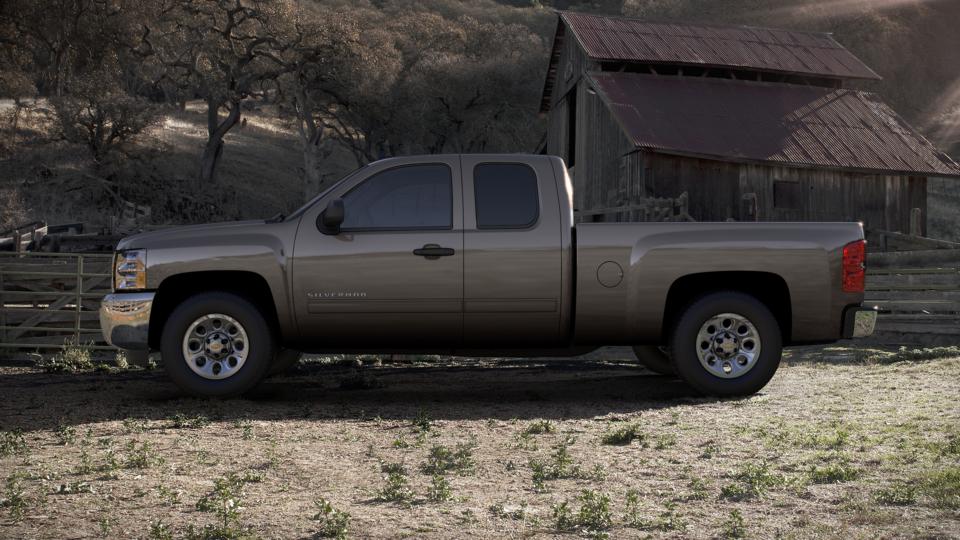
(571,156)
(786,195)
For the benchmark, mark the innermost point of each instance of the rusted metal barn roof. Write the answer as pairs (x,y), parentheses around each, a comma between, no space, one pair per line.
(766,49)
(788,52)
(794,125)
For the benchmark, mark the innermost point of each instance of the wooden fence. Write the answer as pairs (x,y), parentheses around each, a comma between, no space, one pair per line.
(48,299)
(918,294)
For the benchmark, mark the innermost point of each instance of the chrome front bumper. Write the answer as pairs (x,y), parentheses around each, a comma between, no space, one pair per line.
(859,322)
(125,319)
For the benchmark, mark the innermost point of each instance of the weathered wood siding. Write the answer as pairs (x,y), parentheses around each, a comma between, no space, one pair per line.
(716,190)
(572,66)
(601,177)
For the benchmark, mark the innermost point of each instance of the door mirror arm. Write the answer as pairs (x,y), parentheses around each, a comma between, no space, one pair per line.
(331,218)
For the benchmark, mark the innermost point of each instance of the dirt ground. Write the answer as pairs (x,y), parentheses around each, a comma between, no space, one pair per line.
(834,447)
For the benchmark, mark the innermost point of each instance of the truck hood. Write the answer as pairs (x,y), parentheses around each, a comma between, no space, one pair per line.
(189,233)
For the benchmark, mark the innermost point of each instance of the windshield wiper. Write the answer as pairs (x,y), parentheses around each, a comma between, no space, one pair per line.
(276,219)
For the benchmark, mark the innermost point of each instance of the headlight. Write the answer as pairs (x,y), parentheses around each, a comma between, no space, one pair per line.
(130,270)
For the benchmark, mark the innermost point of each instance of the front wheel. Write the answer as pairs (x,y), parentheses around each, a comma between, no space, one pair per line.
(217,344)
(727,344)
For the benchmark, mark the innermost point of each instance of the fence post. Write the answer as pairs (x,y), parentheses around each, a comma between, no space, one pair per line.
(76,326)
(916,222)
(3,310)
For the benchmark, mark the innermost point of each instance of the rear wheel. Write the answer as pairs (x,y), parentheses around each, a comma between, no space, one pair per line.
(656,359)
(727,344)
(217,345)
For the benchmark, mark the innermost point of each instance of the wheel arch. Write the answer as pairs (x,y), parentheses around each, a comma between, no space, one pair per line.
(767,287)
(174,289)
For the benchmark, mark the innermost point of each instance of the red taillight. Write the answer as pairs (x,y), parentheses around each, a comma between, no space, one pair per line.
(854,266)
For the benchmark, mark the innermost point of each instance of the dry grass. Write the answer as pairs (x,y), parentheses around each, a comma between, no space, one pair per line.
(835,447)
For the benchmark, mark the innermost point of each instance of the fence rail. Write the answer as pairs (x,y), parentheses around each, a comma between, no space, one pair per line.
(49,299)
(918,295)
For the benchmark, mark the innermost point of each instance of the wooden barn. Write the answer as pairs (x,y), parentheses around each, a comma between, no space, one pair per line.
(735,123)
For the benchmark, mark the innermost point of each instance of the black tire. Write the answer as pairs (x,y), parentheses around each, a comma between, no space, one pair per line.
(284,361)
(655,359)
(684,343)
(260,353)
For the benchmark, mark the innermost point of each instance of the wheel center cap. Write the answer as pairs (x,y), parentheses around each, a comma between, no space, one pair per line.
(726,345)
(218,345)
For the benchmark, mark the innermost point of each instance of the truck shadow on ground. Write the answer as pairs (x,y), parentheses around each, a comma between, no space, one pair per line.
(498,390)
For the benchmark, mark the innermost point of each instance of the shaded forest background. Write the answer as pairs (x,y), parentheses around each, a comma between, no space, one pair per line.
(201,110)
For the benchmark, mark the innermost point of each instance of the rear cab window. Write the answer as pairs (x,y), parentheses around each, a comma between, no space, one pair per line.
(506,196)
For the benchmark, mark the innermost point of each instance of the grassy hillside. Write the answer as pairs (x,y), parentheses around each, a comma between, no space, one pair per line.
(59,182)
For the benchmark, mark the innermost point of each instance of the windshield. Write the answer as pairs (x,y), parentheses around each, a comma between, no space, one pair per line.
(299,211)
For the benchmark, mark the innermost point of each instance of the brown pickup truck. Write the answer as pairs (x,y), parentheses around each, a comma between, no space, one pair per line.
(479,255)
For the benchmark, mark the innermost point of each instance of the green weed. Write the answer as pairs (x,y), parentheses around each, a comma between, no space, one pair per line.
(396,487)
(439,490)
(897,495)
(539,428)
(421,422)
(624,435)
(943,487)
(182,421)
(753,481)
(14,498)
(442,459)
(141,456)
(72,358)
(560,465)
(332,523)
(593,518)
(734,527)
(12,443)
(66,434)
(838,470)
(159,531)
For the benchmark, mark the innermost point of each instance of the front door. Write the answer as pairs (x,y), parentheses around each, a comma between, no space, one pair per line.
(393,276)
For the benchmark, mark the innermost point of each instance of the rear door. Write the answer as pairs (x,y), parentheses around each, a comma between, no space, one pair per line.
(393,276)
(512,253)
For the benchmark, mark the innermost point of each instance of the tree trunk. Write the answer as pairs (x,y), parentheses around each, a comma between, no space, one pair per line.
(311,170)
(216,131)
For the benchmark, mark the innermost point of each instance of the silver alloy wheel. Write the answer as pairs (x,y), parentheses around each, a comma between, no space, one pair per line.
(728,345)
(215,346)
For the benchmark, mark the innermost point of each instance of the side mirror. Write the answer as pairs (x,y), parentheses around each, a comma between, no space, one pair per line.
(331,218)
